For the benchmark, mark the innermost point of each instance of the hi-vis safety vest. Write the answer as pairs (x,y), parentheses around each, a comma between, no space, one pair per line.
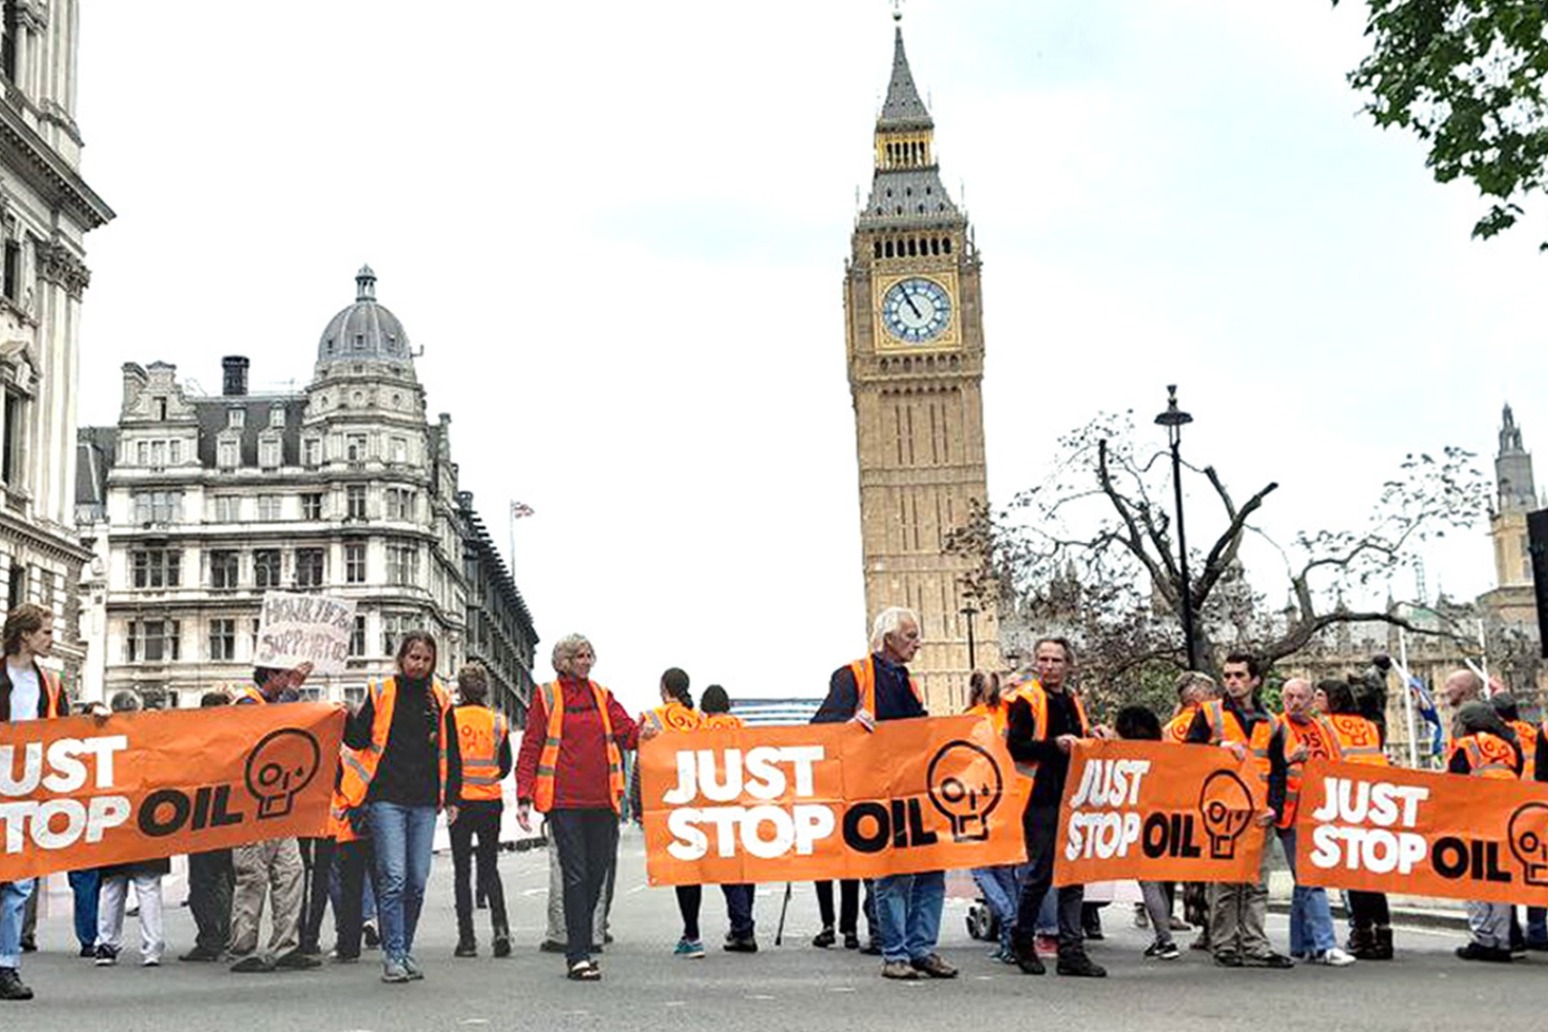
(1037,698)
(1488,756)
(1526,737)
(673,716)
(1358,739)
(480,734)
(548,759)
(339,825)
(249,694)
(714,721)
(1176,729)
(996,715)
(865,690)
(1321,740)
(1225,729)
(358,766)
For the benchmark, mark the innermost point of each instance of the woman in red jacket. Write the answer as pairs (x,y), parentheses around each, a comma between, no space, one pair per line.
(571,768)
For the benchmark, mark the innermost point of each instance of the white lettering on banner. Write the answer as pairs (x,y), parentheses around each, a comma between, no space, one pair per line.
(29,819)
(66,770)
(766,832)
(697,773)
(1102,832)
(1378,850)
(798,828)
(1110,783)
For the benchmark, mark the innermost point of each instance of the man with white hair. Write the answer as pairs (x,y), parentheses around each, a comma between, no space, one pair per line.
(878,687)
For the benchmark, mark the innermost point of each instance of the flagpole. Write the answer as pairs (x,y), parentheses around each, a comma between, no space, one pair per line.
(510,521)
(1408,699)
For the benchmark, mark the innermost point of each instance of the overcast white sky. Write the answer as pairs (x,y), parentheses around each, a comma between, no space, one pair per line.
(618,231)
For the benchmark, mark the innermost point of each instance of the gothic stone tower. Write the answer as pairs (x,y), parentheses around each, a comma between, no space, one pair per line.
(1517,497)
(914,325)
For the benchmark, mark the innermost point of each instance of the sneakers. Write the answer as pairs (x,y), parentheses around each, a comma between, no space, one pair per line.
(30,945)
(415,972)
(1488,954)
(197,955)
(1331,958)
(151,960)
(11,986)
(689,949)
(851,941)
(107,955)
(1162,951)
(1277,961)
(344,958)
(741,944)
(1078,965)
(502,946)
(901,970)
(373,938)
(466,948)
(394,972)
(933,966)
(87,952)
(550,946)
(1025,957)
(825,938)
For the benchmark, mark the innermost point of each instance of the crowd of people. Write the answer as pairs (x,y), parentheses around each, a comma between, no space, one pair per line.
(412,750)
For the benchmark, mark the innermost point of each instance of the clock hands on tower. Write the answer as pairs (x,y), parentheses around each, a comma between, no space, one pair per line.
(909,297)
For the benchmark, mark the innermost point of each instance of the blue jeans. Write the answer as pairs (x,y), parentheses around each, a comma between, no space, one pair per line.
(1002,892)
(13,900)
(1537,926)
(1311,919)
(403,837)
(908,909)
(86,885)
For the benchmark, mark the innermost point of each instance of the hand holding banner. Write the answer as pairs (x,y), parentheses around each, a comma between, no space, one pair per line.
(821,801)
(80,792)
(1386,829)
(1155,811)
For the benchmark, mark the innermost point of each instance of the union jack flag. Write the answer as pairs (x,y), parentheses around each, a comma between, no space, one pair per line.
(520,509)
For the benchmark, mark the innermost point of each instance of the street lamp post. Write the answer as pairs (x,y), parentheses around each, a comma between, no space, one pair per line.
(970,611)
(1174,419)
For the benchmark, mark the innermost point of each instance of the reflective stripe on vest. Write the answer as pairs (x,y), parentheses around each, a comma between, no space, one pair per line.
(548,759)
(1488,756)
(1225,728)
(249,694)
(1321,740)
(865,689)
(1358,739)
(480,734)
(1037,698)
(673,716)
(356,777)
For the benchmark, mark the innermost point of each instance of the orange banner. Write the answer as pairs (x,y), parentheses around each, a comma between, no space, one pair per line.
(1156,811)
(79,792)
(821,801)
(1385,829)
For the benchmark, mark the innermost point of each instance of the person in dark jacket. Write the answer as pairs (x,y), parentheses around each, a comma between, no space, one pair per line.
(869,690)
(211,885)
(484,744)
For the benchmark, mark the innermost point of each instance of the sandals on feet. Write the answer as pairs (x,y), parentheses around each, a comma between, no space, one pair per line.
(585,971)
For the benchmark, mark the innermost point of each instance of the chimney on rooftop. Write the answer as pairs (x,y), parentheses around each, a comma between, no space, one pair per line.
(236,375)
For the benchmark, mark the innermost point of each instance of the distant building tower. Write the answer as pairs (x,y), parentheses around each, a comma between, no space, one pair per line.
(1517,496)
(914,318)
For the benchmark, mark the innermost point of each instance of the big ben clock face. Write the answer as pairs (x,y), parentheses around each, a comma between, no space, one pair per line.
(916,310)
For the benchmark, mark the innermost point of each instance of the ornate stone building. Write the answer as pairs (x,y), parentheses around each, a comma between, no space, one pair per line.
(46,209)
(198,505)
(914,328)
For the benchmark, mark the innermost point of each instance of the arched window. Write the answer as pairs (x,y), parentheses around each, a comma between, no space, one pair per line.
(889,249)
(947,245)
(878,249)
(911,250)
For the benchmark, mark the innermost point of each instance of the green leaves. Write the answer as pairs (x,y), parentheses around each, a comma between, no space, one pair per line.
(1466,77)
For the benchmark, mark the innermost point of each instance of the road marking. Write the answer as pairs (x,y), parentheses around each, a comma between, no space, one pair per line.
(534,892)
(637,888)
(676,1003)
(842,989)
(758,996)
(474,1021)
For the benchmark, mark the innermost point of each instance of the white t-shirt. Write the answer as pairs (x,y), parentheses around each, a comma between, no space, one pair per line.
(26,693)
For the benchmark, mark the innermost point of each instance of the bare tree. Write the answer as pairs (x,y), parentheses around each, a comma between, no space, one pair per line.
(1091,552)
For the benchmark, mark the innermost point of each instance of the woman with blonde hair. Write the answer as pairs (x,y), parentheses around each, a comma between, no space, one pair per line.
(570,768)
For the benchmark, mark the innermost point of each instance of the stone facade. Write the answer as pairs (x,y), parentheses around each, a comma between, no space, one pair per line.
(198,505)
(914,322)
(46,209)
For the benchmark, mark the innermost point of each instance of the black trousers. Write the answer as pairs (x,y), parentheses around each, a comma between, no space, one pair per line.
(355,860)
(1040,825)
(587,843)
(483,822)
(739,907)
(317,860)
(1368,910)
(849,904)
(211,882)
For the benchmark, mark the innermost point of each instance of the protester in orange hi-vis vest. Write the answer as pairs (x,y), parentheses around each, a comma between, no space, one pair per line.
(1238,722)
(1527,740)
(1301,734)
(1483,746)
(484,744)
(1194,689)
(570,768)
(715,708)
(676,713)
(406,766)
(1359,741)
(1045,721)
(997,884)
(876,688)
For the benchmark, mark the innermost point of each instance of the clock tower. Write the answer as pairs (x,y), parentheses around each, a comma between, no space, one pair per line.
(915,342)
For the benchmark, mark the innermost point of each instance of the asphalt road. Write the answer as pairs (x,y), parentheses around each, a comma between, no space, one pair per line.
(793,987)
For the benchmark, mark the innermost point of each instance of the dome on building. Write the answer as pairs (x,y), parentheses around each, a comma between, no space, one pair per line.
(365,331)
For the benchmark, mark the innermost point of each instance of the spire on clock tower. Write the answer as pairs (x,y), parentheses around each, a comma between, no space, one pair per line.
(906,187)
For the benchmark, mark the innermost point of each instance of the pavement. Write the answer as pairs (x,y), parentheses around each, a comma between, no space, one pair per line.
(792,987)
